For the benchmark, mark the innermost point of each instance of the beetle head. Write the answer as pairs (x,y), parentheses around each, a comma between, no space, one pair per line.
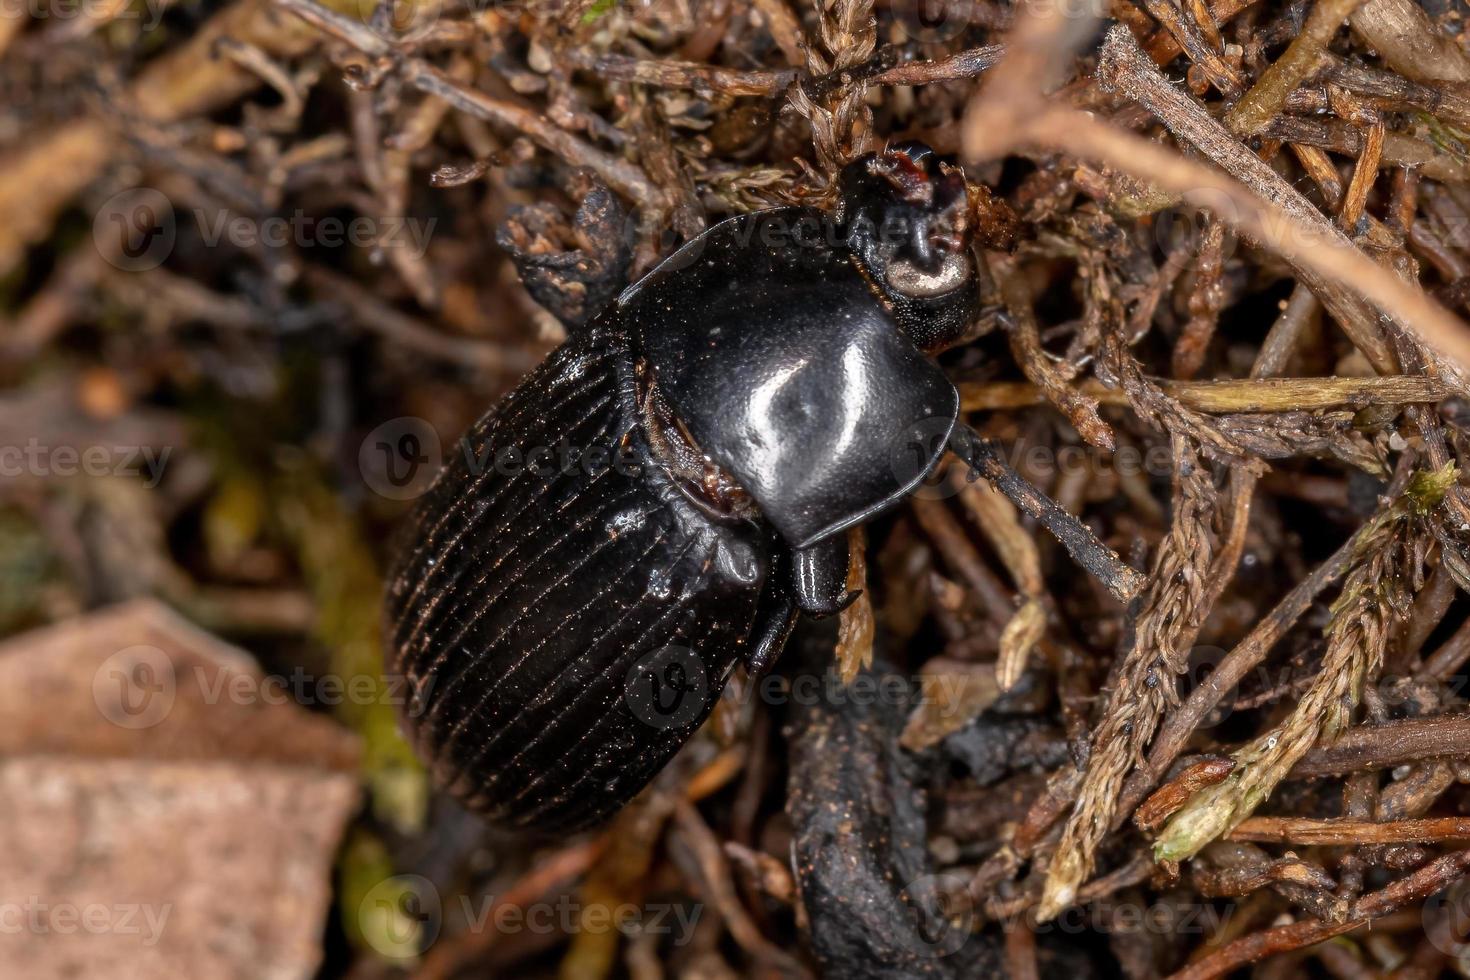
(908,217)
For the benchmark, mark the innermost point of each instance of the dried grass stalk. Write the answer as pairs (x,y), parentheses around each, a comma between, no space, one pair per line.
(1173,610)
(1001,524)
(855,623)
(842,124)
(1375,596)
(1265,100)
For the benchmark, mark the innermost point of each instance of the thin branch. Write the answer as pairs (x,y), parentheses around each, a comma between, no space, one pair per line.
(619,174)
(1248,949)
(1266,98)
(1306,832)
(1368,748)
(374,316)
(663,73)
(1256,395)
(966,64)
(1262,205)
(1099,560)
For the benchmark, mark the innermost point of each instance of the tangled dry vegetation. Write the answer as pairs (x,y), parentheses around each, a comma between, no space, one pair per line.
(1227,335)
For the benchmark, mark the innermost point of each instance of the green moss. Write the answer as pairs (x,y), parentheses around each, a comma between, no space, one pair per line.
(343,580)
(597,11)
(1427,488)
(28,571)
(381,912)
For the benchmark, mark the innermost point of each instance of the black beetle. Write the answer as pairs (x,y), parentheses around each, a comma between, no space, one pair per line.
(569,622)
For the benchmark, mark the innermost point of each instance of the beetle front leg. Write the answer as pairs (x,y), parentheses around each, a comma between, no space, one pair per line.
(984,459)
(812,581)
(819,577)
(775,618)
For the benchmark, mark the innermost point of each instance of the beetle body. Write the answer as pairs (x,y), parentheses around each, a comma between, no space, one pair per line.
(529,598)
(657,502)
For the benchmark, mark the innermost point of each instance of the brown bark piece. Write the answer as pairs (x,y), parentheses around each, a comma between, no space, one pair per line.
(134,869)
(170,812)
(137,680)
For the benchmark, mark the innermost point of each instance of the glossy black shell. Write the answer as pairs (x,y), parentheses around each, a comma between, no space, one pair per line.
(567,632)
(780,359)
(566,628)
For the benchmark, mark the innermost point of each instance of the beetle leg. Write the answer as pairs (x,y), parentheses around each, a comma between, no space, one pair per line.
(573,285)
(819,577)
(999,315)
(812,581)
(775,618)
(984,459)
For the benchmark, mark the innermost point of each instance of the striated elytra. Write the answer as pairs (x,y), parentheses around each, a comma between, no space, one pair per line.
(661,499)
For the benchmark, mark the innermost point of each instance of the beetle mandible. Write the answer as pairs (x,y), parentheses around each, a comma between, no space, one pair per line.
(765,388)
